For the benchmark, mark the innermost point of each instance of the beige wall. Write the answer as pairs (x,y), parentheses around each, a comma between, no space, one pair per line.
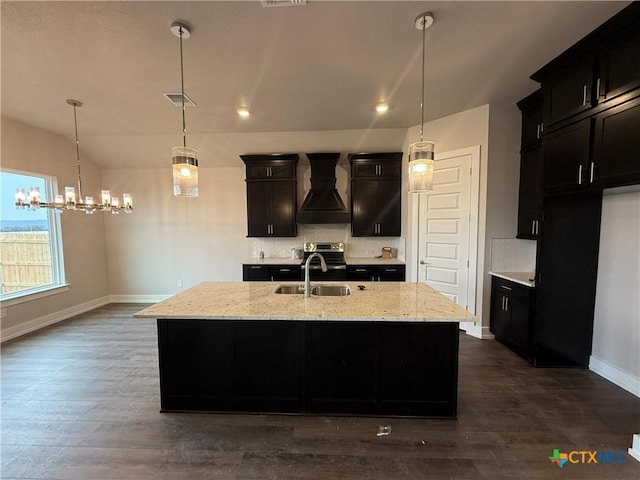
(30,149)
(616,330)
(168,239)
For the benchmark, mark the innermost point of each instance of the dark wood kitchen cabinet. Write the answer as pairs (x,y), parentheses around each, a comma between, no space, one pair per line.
(376,273)
(567,267)
(271,182)
(567,157)
(271,273)
(530,192)
(376,194)
(512,317)
(601,68)
(616,147)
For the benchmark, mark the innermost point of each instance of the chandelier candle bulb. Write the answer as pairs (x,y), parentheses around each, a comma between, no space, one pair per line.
(70,197)
(127,201)
(20,197)
(34,197)
(106,199)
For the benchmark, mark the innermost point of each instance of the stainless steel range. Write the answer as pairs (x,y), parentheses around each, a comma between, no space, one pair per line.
(333,254)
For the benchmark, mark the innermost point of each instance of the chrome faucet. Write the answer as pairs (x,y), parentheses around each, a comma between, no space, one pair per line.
(307,286)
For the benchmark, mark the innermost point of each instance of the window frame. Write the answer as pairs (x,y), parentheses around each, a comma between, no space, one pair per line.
(58,283)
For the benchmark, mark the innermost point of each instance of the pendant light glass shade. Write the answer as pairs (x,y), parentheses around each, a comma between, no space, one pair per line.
(421,153)
(421,167)
(185,172)
(184,159)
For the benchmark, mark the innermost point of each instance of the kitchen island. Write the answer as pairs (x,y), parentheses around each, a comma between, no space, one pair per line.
(389,349)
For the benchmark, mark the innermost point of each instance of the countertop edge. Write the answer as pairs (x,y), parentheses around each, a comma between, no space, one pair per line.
(521,278)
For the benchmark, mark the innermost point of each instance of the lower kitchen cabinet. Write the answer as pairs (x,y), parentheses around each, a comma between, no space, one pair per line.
(271,273)
(512,316)
(376,273)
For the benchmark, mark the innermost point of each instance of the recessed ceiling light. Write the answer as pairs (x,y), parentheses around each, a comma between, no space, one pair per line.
(382,107)
(243,112)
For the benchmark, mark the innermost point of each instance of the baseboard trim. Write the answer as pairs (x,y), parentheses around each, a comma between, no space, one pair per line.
(137,298)
(621,378)
(480,332)
(51,318)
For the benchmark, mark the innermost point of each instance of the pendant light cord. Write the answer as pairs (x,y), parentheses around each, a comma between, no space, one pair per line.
(424,28)
(75,120)
(184,125)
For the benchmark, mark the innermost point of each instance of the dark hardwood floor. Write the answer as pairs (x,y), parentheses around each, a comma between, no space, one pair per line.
(80,400)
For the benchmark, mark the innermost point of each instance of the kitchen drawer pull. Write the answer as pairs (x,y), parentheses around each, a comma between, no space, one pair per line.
(538,131)
(256,267)
(506,304)
(591,171)
(505,287)
(533,227)
(360,270)
(584,94)
(598,88)
(390,269)
(284,269)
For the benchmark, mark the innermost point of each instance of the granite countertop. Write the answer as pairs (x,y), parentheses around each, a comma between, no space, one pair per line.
(298,261)
(523,278)
(380,301)
(373,261)
(273,261)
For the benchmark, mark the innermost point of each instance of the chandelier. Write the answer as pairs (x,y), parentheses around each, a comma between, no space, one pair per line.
(71,201)
(421,153)
(184,159)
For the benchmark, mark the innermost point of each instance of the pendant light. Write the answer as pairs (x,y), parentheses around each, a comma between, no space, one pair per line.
(421,153)
(71,201)
(185,159)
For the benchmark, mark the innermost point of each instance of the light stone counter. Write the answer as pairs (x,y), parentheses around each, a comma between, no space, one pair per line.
(373,261)
(273,261)
(523,278)
(380,301)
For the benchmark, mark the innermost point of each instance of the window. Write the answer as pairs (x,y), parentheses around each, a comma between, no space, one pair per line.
(30,242)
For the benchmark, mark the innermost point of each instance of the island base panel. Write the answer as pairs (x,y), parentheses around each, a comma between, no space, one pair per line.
(309,367)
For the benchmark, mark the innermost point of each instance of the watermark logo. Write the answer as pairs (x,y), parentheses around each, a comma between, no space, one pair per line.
(586,456)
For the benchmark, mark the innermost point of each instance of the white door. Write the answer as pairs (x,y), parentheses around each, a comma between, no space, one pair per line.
(446,236)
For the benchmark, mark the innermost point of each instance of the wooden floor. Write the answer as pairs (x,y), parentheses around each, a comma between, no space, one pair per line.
(80,400)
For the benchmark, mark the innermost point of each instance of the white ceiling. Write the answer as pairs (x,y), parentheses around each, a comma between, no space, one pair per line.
(317,67)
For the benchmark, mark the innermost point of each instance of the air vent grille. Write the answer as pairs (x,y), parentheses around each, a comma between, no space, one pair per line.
(176,99)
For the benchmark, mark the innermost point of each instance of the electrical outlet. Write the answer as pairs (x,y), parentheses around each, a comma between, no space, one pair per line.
(180,284)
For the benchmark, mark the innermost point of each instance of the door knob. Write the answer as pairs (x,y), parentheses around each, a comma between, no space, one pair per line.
(422,262)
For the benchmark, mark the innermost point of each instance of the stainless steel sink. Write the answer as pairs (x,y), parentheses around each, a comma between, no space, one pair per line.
(290,289)
(331,290)
(318,290)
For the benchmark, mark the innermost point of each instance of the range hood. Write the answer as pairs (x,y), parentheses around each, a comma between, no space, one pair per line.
(323,203)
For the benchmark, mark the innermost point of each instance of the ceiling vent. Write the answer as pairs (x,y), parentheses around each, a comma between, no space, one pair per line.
(283,3)
(176,99)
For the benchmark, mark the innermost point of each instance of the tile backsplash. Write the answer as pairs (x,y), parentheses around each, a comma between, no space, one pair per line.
(354,246)
(513,255)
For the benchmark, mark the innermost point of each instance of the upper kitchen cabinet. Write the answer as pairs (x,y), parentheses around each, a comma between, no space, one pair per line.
(599,68)
(567,158)
(271,195)
(376,194)
(616,146)
(530,192)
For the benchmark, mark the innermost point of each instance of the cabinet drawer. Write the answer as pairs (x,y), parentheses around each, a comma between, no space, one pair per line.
(364,273)
(255,273)
(373,168)
(512,289)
